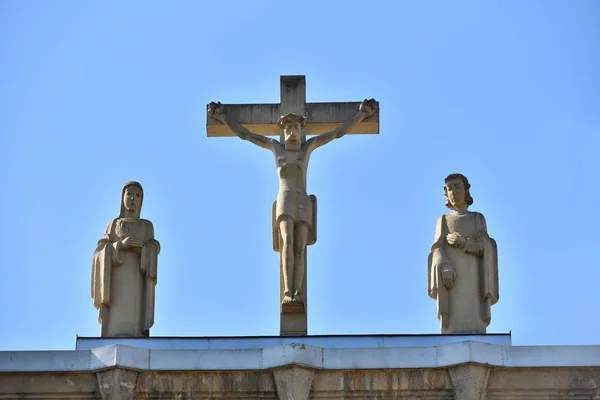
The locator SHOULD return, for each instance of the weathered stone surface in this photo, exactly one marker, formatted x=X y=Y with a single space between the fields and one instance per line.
x=124 y=270
x=426 y=384
x=116 y=383
x=442 y=372
x=293 y=383
x=463 y=264
x=294 y=212
x=38 y=385
x=547 y=383
x=238 y=385
x=470 y=381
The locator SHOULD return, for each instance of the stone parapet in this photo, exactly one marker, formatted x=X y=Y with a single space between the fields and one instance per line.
x=445 y=356
x=465 y=370
x=261 y=342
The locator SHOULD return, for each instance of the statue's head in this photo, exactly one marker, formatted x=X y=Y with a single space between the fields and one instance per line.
x=292 y=125
x=456 y=191
x=132 y=197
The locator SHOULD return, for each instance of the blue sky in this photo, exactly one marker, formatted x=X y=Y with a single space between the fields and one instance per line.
x=95 y=94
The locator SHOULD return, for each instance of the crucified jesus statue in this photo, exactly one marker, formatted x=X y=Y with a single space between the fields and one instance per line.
x=294 y=210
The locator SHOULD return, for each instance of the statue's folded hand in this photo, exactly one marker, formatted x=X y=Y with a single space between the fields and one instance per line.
x=132 y=242
x=456 y=240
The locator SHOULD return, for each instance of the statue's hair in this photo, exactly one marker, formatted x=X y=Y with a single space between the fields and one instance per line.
x=133 y=183
x=291 y=118
x=125 y=186
x=468 y=197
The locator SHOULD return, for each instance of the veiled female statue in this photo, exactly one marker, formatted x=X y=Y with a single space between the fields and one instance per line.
x=124 y=270
x=463 y=264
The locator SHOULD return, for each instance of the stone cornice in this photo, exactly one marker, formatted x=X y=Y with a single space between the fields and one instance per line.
x=444 y=356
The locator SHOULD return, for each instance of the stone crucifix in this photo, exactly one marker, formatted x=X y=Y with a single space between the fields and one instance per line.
x=294 y=211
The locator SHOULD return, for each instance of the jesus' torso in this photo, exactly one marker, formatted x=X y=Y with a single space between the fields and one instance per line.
x=291 y=169
x=292 y=199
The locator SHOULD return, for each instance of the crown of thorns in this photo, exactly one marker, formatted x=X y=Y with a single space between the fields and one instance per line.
x=291 y=118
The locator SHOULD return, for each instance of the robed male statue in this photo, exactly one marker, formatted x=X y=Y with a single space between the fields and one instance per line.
x=124 y=270
x=463 y=264
x=294 y=210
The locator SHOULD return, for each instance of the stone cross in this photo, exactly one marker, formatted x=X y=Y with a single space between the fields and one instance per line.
x=294 y=212
x=321 y=117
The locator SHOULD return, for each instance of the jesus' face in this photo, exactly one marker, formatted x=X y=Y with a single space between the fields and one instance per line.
x=455 y=190
x=292 y=134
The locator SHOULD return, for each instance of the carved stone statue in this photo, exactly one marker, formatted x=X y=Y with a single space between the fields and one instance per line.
x=294 y=210
x=124 y=270
x=463 y=264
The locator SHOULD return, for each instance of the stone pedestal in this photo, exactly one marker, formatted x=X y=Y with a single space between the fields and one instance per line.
x=293 y=317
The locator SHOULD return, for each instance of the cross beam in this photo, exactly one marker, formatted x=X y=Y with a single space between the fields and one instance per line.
x=320 y=117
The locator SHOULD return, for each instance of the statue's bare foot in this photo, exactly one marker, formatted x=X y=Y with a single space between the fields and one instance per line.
x=286 y=300
x=298 y=298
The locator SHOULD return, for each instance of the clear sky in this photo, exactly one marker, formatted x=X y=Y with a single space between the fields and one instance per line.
x=94 y=94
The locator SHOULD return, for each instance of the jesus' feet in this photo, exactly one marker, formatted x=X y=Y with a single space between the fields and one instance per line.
x=286 y=300
x=298 y=298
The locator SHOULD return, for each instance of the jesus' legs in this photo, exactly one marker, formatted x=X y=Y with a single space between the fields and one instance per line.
x=286 y=229
x=300 y=238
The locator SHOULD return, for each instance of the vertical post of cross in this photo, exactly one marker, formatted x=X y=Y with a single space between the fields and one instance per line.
x=293 y=100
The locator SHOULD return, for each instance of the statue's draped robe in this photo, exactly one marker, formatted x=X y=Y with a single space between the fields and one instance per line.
x=466 y=307
x=123 y=280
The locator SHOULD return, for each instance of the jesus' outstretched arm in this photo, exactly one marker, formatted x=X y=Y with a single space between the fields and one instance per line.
x=217 y=111
x=365 y=110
